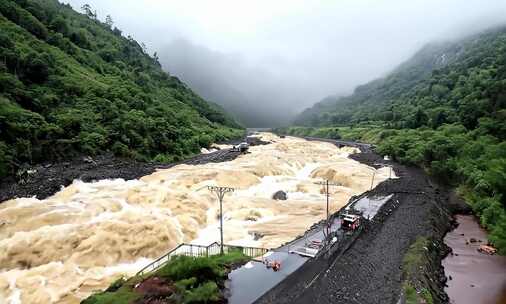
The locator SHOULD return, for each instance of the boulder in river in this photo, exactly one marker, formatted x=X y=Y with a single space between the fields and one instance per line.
x=280 y=196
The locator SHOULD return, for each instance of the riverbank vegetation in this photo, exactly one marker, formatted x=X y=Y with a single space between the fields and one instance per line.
x=414 y=269
x=444 y=110
x=184 y=279
x=71 y=84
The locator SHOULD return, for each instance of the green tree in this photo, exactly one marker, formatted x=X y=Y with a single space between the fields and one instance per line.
x=59 y=24
x=108 y=21
x=86 y=8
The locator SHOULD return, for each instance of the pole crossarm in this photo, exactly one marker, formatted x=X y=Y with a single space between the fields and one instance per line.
x=326 y=182
x=221 y=189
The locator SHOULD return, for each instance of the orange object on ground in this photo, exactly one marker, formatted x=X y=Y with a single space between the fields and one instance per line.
x=276 y=266
x=487 y=249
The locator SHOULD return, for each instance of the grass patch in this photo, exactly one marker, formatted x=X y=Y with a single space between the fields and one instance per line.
x=414 y=266
x=196 y=280
x=124 y=295
x=414 y=257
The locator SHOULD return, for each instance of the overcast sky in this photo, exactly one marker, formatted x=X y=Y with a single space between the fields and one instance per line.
x=283 y=56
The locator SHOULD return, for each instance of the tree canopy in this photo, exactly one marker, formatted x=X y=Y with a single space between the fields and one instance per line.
x=444 y=110
x=69 y=84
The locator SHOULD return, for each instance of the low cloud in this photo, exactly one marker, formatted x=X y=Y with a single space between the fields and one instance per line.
x=267 y=60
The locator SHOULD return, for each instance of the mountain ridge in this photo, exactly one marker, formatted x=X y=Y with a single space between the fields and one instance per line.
x=71 y=84
x=444 y=111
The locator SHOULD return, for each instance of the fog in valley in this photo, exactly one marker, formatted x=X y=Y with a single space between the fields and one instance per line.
x=265 y=61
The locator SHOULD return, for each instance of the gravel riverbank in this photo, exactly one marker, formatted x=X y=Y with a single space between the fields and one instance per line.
x=49 y=178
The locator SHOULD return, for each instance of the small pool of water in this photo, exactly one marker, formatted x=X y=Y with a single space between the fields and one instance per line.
x=475 y=277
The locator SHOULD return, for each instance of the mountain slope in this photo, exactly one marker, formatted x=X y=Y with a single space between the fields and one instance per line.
x=70 y=84
x=446 y=113
x=375 y=95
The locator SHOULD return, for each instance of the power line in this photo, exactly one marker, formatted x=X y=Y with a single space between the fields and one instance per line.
x=220 y=193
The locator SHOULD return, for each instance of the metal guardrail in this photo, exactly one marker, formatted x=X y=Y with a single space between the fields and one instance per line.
x=199 y=251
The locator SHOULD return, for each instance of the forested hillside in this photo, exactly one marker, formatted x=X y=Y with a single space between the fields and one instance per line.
x=446 y=112
x=71 y=84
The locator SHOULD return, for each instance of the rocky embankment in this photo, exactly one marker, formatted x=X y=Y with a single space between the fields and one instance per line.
x=374 y=269
x=46 y=179
x=43 y=180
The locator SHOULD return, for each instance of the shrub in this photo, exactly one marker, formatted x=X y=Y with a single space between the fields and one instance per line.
x=205 y=293
x=120 y=149
x=91 y=142
x=205 y=140
x=36 y=68
x=5 y=159
x=116 y=285
x=163 y=158
x=183 y=267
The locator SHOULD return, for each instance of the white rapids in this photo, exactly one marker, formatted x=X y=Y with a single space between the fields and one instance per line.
x=61 y=249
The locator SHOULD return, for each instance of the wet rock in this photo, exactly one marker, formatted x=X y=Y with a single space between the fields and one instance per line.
x=89 y=160
x=280 y=196
x=257 y=236
x=255 y=141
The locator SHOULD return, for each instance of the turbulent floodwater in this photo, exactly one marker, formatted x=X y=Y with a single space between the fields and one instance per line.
x=61 y=249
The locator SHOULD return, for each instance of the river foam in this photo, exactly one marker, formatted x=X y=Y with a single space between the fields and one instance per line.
x=61 y=249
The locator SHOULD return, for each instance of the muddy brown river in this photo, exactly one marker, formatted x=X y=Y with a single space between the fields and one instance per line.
x=61 y=249
x=476 y=278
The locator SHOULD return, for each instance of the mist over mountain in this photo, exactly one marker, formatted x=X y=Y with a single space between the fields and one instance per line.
x=443 y=110
x=222 y=77
x=266 y=61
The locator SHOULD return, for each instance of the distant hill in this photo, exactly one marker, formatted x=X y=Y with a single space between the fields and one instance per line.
x=443 y=110
x=71 y=84
x=376 y=95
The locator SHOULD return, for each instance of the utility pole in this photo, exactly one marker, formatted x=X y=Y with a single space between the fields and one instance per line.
x=390 y=172
x=373 y=175
x=220 y=193
x=326 y=184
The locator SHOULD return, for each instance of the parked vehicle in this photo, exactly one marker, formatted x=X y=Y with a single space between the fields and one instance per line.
x=350 y=222
x=242 y=147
